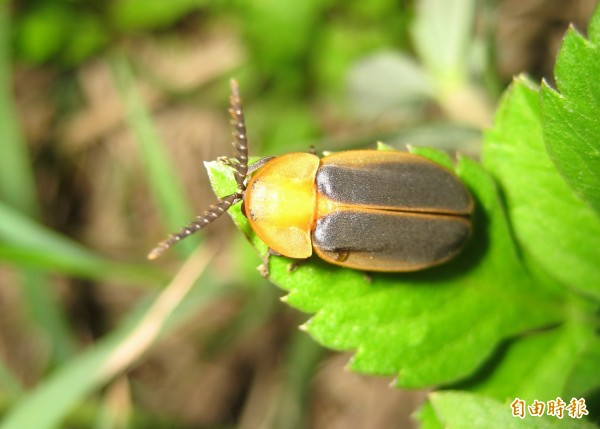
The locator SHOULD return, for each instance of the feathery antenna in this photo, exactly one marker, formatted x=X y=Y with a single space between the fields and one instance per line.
x=240 y=139
x=240 y=166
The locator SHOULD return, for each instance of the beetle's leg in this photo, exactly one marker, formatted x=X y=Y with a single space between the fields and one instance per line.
x=240 y=138
x=252 y=168
x=263 y=268
x=225 y=160
x=293 y=266
x=342 y=255
x=197 y=224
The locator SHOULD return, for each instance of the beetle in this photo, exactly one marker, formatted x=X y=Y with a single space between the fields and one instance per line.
x=368 y=210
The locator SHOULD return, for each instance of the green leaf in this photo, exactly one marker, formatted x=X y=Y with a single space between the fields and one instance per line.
x=438 y=156
x=553 y=226
x=465 y=410
x=426 y=416
x=585 y=376
x=538 y=366
x=572 y=114
x=428 y=327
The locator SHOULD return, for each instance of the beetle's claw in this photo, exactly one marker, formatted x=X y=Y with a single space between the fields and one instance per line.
x=263 y=269
x=156 y=252
x=225 y=160
x=293 y=266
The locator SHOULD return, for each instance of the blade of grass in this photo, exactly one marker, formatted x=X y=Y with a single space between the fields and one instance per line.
x=17 y=185
x=17 y=188
x=50 y=402
x=46 y=312
x=9 y=384
x=116 y=409
x=304 y=355
x=26 y=243
x=164 y=184
x=442 y=36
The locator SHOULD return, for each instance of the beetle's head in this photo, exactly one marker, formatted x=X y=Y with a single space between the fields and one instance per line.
x=241 y=173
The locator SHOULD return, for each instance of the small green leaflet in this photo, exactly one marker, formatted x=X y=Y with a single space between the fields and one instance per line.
x=556 y=229
x=571 y=115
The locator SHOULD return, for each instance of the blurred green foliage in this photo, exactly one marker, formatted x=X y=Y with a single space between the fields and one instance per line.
x=281 y=37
